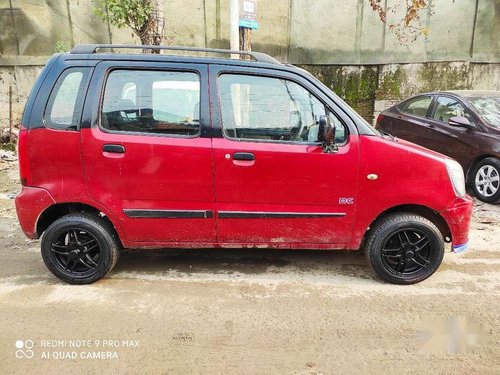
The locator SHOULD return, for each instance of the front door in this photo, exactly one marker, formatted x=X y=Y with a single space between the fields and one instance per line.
x=456 y=142
x=274 y=185
x=147 y=155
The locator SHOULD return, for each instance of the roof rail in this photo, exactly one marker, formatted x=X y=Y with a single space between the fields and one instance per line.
x=92 y=48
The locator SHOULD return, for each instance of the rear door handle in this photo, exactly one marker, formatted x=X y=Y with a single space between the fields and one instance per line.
x=117 y=149
x=243 y=156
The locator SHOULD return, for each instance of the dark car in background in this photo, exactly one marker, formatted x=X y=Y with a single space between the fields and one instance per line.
x=464 y=125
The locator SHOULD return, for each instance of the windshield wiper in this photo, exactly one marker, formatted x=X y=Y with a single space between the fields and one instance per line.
x=390 y=136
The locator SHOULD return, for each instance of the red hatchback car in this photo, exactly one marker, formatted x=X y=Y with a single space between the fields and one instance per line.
x=154 y=150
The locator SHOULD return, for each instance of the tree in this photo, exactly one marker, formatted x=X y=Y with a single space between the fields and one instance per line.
x=143 y=17
x=408 y=28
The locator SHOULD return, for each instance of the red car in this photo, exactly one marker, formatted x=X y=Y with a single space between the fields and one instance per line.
x=154 y=150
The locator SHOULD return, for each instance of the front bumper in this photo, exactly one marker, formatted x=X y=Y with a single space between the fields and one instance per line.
x=30 y=203
x=457 y=249
x=458 y=216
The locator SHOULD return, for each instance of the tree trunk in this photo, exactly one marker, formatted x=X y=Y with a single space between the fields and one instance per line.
x=152 y=32
x=245 y=42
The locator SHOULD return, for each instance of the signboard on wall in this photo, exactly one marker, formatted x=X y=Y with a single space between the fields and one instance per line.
x=248 y=14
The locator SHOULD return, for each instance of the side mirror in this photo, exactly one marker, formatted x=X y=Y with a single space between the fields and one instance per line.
x=460 y=121
x=326 y=133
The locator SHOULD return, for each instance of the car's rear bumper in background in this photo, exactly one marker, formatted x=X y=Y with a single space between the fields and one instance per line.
x=458 y=216
x=30 y=203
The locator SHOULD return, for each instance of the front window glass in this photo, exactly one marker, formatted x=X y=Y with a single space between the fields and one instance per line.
x=488 y=108
x=152 y=102
x=271 y=109
x=447 y=108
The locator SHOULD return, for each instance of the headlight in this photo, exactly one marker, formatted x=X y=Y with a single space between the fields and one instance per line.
x=456 y=174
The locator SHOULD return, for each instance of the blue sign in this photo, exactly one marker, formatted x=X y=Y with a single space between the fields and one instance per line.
x=249 y=24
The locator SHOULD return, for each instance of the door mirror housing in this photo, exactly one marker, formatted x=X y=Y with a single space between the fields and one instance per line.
x=460 y=121
x=326 y=133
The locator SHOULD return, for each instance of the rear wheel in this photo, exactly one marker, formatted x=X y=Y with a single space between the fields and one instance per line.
x=80 y=248
x=404 y=248
x=486 y=180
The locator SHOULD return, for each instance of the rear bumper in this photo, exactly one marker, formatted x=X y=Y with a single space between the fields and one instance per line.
x=30 y=203
x=458 y=216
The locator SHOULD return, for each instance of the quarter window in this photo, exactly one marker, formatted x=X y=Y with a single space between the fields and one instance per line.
x=418 y=106
x=152 y=102
x=448 y=107
x=64 y=107
x=270 y=109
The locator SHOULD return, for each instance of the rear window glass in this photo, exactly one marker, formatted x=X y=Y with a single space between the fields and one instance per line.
x=150 y=101
x=64 y=107
x=417 y=106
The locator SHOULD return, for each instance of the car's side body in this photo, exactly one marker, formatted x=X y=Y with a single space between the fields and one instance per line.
x=212 y=183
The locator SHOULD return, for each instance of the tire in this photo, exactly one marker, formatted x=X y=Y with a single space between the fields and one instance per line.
x=404 y=248
x=485 y=180
x=80 y=248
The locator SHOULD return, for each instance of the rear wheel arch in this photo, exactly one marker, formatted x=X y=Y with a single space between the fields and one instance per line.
x=58 y=210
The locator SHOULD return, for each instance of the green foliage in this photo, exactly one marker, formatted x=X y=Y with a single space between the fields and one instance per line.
x=356 y=86
x=61 y=46
x=449 y=76
x=134 y=14
x=391 y=83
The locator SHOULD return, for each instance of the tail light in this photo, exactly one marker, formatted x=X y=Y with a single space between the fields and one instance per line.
x=380 y=118
x=22 y=150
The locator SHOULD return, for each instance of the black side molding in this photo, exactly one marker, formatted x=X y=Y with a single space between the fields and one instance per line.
x=169 y=214
x=276 y=215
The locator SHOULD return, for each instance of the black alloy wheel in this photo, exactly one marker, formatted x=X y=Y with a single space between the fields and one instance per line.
x=404 y=248
x=407 y=252
x=80 y=248
x=76 y=251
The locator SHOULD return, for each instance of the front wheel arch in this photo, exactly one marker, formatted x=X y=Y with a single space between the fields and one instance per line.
x=424 y=211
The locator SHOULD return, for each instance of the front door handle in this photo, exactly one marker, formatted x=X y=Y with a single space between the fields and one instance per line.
x=243 y=156
x=117 y=149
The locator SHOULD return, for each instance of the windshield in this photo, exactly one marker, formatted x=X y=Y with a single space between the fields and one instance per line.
x=367 y=128
x=488 y=108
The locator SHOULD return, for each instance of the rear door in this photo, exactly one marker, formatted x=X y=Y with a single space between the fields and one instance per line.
x=274 y=184
x=411 y=120
x=147 y=152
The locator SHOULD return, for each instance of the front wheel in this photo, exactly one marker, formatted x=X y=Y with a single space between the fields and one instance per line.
x=404 y=248
x=80 y=248
x=486 y=180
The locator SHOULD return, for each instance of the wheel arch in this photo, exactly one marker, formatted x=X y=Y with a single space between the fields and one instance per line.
x=58 y=210
x=424 y=211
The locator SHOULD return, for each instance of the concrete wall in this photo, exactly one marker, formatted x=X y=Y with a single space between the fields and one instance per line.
x=368 y=89
x=298 y=31
x=21 y=78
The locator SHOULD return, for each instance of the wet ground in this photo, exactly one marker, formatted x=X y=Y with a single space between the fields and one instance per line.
x=248 y=311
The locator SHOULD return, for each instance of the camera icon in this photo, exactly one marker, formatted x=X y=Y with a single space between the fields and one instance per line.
x=24 y=349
